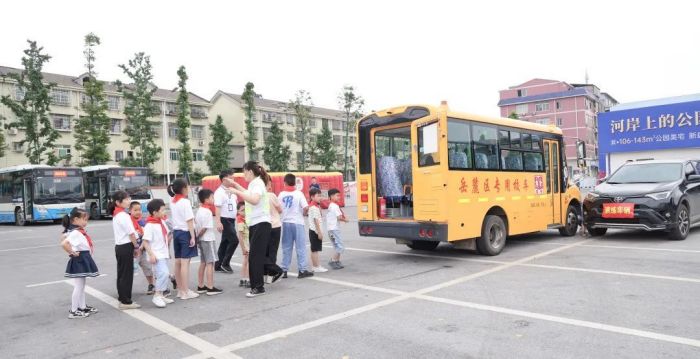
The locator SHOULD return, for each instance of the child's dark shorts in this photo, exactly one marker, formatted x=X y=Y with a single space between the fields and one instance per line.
x=316 y=243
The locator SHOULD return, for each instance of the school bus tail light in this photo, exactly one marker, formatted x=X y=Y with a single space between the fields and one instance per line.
x=429 y=233
x=364 y=198
x=421 y=233
x=363 y=185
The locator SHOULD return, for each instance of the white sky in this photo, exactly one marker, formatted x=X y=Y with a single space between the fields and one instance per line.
x=392 y=52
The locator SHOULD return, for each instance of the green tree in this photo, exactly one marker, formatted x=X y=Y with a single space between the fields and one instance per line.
x=301 y=107
x=351 y=104
x=513 y=115
x=32 y=110
x=275 y=153
x=138 y=110
x=251 y=134
x=325 y=153
x=3 y=145
x=92 y=130
x=219 y=152
x=183 y=124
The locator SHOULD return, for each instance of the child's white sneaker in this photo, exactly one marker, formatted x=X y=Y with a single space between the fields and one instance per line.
x=168 y=300
x=158 y=301
x=319 y=269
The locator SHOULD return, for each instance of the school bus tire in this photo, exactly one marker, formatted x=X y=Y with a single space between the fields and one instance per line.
x=571 y=226
x=493 y=236
x=423 y=245
x=20 y=220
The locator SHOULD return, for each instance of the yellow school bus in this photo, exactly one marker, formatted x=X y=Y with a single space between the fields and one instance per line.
x=427 y=174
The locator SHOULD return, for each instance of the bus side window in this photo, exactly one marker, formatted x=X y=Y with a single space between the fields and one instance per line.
x=428 y=145
x=485 y=147
x=459 y=149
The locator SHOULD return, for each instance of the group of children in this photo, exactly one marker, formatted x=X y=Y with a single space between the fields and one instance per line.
x=147 y=241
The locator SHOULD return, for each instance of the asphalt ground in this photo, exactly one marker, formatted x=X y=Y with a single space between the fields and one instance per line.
x=625 y=295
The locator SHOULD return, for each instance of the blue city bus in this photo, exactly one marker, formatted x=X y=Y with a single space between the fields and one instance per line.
x=32 y=193
x=103 y=180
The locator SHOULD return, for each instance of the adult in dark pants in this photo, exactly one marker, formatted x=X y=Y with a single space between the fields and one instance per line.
x=257 y=213
x=125 y=237
x=225 y=218
x=275 y=232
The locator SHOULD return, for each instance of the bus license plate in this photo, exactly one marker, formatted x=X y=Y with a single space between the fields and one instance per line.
x=618 y=210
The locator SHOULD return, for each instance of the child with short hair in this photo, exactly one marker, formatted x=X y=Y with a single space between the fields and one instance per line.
x=137 y=219
x=184 y=241
x=155 y=242
x=78 y=245
x=335 y=215
x=125 y=238
x=204 y=229
x=315 y=230
x=293 y=206
x=244 y=241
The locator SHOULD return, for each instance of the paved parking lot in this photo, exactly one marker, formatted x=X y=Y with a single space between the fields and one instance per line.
x=625 y=295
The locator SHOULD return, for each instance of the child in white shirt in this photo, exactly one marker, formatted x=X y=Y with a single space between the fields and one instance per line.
x=206 y=241
x=293 y=206
x=155 y=243
x=78 y=245
x=335 y=215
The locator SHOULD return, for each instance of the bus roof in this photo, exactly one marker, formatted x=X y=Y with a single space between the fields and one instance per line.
x=472 y=117
x=22 y=168
x=99 y=168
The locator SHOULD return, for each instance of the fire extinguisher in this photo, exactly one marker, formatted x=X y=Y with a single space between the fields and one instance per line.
x=382 y=207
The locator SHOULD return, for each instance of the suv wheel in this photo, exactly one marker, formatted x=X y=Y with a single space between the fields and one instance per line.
x=680 y=232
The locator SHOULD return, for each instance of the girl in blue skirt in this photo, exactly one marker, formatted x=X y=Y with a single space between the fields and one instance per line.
x=78 y=245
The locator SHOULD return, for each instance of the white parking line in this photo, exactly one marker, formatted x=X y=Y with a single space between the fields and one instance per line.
x=677 y=250
x=180 y=335
x=352 y=312
x=569 y=321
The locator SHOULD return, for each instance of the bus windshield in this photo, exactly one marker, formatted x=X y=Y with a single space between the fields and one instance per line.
x=135 y=186
x=53 y=190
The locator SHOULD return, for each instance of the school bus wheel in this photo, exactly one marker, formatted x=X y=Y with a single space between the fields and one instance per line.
x=423 y=245
x=571 y=226
x=493 y=236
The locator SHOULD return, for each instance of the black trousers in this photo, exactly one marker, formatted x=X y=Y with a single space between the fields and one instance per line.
x=229 y=242
x=272 y=247
x=257 y=258
x=125 y=271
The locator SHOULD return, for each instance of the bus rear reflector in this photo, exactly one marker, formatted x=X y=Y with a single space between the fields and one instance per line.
x=363 y=185
x=364 y=198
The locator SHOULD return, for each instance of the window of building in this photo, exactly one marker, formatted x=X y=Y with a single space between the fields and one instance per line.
x=198 y=112
x=291 y=119
x=324 y=122
x=63 y=151
x=542 y=106
x=156 y=107
x=174 y=154
x=559 y=122
x=522 y=92
x=337 y=140
x=116 y=126
x=198 y=155
x=60 y=97
x=156 y=130
x=485 y=147
x=290 y=136
x=118 y=155
x=521 y=109
x=267 y=116
x=428 y=144
x=337 y=125
x=312 y=123
x=61 y=122
x=557 y=105
x=113 y=103
x=171 y=108
x=173 y=130
x=543 y=121
x=19 y=93
x=197 y=132
x=130 y=155
x=17 y=146
x=459 y=147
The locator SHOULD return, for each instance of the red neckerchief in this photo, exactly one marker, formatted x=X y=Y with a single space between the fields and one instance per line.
x=137 y=226
x=177 y=198
x=240 y=218
x=158 y=221
x=89 y=240
x=209 y=207
x=290 y=188
x=117 y=210
x=313 y=204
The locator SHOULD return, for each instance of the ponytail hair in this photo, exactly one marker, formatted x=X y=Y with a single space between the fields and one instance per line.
x=118 y=196
x=177 y=187
x=257 y=170
x=67 y=220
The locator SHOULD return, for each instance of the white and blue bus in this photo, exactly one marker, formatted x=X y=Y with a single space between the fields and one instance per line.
x=31 y=193
x=103 y=180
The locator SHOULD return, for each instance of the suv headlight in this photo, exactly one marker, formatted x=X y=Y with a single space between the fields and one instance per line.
x=659 y=195
x=591 y=196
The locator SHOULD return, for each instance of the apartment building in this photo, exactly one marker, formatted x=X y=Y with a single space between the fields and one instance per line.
x=67 y=96
x=230 y=107
x=572 y=107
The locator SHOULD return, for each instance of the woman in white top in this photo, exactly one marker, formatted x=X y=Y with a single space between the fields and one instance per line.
x=257 y=216
x=184 y=247
x=125 y=237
